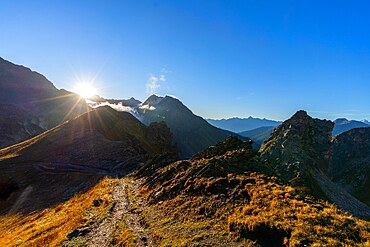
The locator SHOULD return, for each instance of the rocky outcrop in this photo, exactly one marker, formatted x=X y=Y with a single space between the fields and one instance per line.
x=298 y=145
x=301 y=152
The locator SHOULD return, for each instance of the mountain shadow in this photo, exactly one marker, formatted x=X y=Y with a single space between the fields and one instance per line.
x=72 y=157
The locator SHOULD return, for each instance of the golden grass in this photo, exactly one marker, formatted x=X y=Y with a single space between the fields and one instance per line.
x=274 y=213
x=122 y=236
x=50 y=227
x=303 y=220
x=14 y=150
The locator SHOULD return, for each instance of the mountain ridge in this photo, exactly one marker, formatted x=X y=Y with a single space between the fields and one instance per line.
x=238 y=125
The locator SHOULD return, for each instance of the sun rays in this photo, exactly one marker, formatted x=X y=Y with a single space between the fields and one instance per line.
x=85 y=90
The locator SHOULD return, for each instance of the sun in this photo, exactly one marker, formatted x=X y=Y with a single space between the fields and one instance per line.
x=85 y=90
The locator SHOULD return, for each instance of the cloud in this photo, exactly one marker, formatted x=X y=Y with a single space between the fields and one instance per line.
x=147 y=107
x=156 y=81
x=117 y=107
x=153 y=84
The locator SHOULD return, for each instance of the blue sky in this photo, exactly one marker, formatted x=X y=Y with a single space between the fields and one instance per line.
x=221 y=58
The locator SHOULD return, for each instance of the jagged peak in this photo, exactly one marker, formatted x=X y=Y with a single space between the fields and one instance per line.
x=301 y=114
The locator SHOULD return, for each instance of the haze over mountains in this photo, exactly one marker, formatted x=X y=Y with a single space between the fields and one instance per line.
x=242 y=124
x=172 y=178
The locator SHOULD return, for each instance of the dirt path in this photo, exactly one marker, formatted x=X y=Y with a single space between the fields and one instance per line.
x=123 y=196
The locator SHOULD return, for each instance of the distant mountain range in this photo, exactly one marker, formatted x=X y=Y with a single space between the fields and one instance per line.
x=342 y=125
x=242 y=124
x=265 y=127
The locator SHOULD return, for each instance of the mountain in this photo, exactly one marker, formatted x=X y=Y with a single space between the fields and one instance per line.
x=191 y=133
x=32 y=103
x=342 y=125
x=301 y=152
x=258 y=135
x=242 y=124
x=62 y=161
x=351 y=162
x=366 y=122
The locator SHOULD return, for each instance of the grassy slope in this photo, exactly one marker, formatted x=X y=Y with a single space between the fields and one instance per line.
x=51 y=226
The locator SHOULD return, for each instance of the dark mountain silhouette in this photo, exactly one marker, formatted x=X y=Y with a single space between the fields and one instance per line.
x=258 y=135
x=351 y=162
x=342 y=125
x=33 y=103
x=73 y=156
x=191 y=133
x=242 y=124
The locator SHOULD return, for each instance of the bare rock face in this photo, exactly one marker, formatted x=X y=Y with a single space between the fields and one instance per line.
x=298 y=145
x=351 y=162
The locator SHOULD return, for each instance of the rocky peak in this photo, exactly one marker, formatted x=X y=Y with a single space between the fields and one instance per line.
x=300 y=115
x=299 y=145
x=153 y=100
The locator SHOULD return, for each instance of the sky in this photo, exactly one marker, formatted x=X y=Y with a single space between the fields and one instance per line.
x=220 y=58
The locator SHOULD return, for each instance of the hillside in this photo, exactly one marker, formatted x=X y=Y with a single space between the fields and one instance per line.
x=32 y=103
x=53 y=166
x=191 y=133
x=242 y=124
